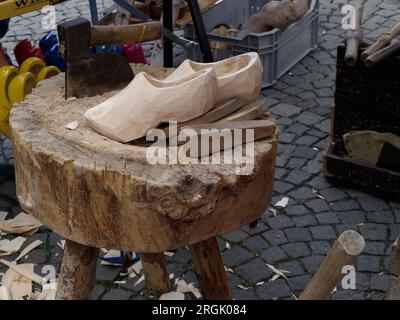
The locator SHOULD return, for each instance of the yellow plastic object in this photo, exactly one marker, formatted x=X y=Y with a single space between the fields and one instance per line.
x=21 y=86
x=5 y=129
x=47 y=73
x=7 y=75
x=33 y=65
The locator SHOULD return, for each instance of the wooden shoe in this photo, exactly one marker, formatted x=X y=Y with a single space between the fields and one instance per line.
x=237 y=76
x=147 y=102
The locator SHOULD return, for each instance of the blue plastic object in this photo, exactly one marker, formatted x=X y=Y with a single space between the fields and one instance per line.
x=53 y=57
x=112 y=49
x=48 y=41
x=4 y=27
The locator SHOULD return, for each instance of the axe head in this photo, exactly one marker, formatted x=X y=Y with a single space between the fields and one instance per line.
x=89 y=74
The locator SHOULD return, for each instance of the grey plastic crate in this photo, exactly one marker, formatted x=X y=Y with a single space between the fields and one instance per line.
x=279 y=51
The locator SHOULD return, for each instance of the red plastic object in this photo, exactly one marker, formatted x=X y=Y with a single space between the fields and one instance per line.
x=24 y=50
x=134 y=53
x=3 y=58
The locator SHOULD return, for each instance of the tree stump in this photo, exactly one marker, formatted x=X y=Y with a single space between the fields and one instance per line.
x=104 y=194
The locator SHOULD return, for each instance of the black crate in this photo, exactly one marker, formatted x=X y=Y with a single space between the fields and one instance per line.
x=365 y=99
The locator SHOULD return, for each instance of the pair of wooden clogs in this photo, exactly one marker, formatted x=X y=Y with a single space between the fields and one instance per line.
x=16 y=83
x=190 y=91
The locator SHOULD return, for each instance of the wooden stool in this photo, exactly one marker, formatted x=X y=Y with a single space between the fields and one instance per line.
x=98 y=193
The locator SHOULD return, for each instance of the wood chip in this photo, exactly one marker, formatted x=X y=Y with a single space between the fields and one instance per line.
x=227 y=245
x=171 y=276
x=72 y=125
x=194 y=290
x=8 y=247
x=120 y=282
x=229 y=269
x=23 y=223
x=3 y=215
x=23 y=271
x=28 y=249
x=169 y=254
x=4 y=293
x=174 y=295
x=141 y=279
x=61 y=244
x=243 y=287
x=278 y=272
x=273 y=211
x=260 y=283
x=182 y=286
x=111 y=254
x=19 y=286
x=49 y=291
x=282 y=203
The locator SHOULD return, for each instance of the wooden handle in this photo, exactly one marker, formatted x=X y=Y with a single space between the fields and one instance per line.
x=384 y=53
x=354 y=37
x=382 y=42
x=344 y=252
x=393 y=292
x=124 y=34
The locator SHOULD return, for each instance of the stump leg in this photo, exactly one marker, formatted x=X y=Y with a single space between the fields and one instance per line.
x=393 y=292
x=210 y=270
x=78 y=272
x=155 y=272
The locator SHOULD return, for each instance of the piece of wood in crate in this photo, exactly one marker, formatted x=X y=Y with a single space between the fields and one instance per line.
x=354 y=36
x=275 y=14
x=249 y=112
x=365 y=147
x=382 y=42
x=204 y=5
x=222 y=30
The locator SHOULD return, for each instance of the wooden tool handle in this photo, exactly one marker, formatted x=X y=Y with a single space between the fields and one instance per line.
x=384 y=53
x=354 y=37
x=344 y=252
x=382 y=42
x=142 y=32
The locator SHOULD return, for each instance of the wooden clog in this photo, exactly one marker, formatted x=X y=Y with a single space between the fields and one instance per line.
x=237 y=76
x=147 y=102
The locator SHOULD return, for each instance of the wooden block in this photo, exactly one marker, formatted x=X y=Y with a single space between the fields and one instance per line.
x=249 y=112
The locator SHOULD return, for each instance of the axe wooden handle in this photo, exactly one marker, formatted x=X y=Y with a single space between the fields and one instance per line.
x=384 y=53
x=142 y=32
x=382 y=42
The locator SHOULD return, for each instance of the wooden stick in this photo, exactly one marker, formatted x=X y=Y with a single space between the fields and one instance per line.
x=382 y=42
x=141 y=32
x=78 y=272
x=381 y=55
x=394 y=269
x=155 y=271
x=344 y=252
x=210 y=270
x=354 y=37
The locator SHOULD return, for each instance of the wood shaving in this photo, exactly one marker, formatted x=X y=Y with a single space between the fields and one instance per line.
x=174 y=295
x=282 y=203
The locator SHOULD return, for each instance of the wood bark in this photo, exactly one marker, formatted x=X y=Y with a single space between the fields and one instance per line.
x=210 y=270
x=155 y=271
x=344 y=252
x=393 y=292
x=105 y=194
x=275 y=14
x=78 y=272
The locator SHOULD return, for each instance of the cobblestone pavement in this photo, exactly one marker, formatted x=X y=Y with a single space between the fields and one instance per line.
x=299 y=236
